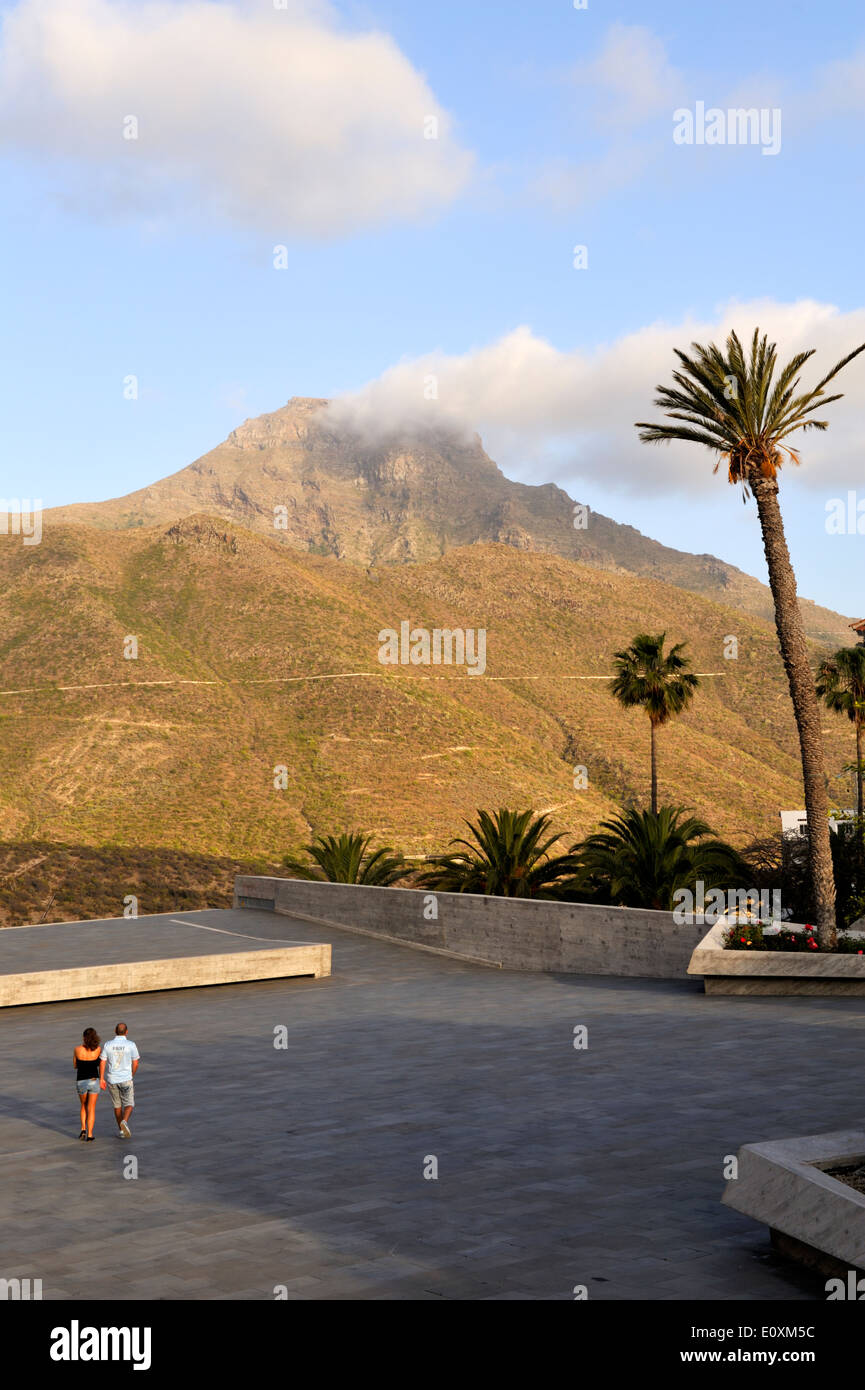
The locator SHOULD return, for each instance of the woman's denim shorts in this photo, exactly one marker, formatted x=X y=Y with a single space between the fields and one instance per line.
x=89 y=1087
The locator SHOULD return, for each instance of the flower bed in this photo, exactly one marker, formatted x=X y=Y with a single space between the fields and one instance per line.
x=773 y=966
x=759 y=936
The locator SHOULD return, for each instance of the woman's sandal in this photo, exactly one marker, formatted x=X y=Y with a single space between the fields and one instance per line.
x=83 y=1134
x=90 y=1139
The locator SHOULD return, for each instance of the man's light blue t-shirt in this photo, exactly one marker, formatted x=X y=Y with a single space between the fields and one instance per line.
x=119 y=1054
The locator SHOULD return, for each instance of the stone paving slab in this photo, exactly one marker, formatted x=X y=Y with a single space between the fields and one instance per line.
x=261 y=1166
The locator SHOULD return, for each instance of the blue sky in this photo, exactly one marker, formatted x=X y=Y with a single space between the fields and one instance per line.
x=556 y=130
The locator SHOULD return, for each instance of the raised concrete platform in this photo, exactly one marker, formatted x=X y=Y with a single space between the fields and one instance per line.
x=782 y=1183
x=84 y=960
x=774 y=972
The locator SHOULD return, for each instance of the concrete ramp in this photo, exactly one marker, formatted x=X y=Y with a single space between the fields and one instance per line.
x=85 y=960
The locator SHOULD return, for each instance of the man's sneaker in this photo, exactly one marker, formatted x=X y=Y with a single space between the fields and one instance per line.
x=125 y=1130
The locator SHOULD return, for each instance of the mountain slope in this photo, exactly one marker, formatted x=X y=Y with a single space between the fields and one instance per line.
x=295 y=477
x=253 y=656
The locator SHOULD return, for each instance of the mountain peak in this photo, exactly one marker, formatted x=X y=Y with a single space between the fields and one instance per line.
x=306 y=403
x=286 y=425
x=313 y=480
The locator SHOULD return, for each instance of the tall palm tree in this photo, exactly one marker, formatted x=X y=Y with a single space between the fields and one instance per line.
x=657 y=681
x=641 y=858
x=508 y=856
x=743 y=412
x=841 y=687
x=348 y=858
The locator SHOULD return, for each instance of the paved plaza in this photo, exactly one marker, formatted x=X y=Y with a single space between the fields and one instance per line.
x=303 y=1166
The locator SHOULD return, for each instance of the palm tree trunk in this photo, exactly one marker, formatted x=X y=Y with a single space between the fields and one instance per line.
x=859 y=771
x=794 y=650
x=654 y=771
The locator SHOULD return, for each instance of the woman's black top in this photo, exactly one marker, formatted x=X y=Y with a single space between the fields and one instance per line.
x=87 y=1070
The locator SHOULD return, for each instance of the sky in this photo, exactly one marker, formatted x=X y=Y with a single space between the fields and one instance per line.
x=490 y=211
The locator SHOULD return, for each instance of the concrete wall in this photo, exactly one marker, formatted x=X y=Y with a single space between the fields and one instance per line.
x=515 y=933
x=135 y=977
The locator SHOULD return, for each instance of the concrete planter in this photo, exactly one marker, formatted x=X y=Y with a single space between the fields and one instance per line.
x=774 y=972
x=813 y=1217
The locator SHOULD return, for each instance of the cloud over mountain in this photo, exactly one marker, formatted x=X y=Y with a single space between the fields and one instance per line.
x=572 y=411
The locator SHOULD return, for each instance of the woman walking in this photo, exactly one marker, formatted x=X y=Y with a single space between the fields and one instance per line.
x=85 y=1060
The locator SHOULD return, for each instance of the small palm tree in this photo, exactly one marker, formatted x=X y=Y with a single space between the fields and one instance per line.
x=737 y=407
x=657 y=681
x=641 y=858
x=348 y=858
x=841 y=687
x=508 y=856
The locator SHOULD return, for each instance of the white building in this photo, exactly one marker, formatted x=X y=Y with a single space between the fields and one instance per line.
x=796 y=822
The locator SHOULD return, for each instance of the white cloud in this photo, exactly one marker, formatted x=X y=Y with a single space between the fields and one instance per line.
x=632 y=76
x=629 y=85
x=544 y=412
x=563 y=185
x=276 y=118
x=839 y=88
x=625 y=98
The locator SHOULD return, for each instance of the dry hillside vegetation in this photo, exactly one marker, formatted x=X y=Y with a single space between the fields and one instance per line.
x=253 y=655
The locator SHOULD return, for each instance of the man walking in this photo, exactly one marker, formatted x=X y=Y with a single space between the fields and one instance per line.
x=120 y=1057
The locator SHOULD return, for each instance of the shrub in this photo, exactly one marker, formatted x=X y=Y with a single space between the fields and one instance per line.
x=508 y=856
x=641 y=859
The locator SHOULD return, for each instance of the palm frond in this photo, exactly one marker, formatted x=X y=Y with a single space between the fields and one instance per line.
x=733 y=403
